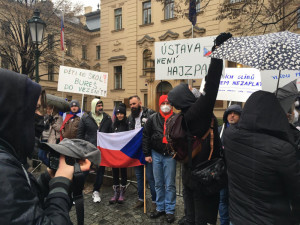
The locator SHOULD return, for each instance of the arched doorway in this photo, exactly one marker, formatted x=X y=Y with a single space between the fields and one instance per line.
x=163 y=88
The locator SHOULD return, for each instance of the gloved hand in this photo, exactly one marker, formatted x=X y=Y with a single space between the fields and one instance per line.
x=51 y=119
x=220 y=39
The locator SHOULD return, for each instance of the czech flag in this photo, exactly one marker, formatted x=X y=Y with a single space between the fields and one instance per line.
x=121 y=150
x=62 y=33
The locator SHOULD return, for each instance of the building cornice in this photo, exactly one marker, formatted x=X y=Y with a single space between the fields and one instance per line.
x=169 y=34
x=197 y=30
x=117 y=58
x=146 y=38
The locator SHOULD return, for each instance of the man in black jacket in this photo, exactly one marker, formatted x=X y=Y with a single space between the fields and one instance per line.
x=263 y=170
x=22 y=197
x=164 y=165
x=136 y=120
x=90 y=123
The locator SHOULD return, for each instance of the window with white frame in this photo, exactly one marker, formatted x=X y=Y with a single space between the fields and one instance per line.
x=169 y=9
x=147 y=12
x=98 y=51
x=50 y=72
x=118 y=77
x=118 y=19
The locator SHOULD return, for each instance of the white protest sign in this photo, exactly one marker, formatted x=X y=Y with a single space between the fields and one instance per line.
x=82 y=81
x=182 y=59
x=269 y=78
x=238 y=84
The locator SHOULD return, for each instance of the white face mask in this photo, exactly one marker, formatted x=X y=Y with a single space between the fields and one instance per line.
x=296 y=116
x=165 y=108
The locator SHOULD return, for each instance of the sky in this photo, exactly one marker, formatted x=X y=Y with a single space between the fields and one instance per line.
x=92 y=3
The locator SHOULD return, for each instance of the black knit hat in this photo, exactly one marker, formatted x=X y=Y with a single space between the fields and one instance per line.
x=121 y=109
x=74 y=103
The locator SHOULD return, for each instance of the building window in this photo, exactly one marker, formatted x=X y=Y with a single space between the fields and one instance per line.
x=98 y=50
x=69 y=98
x=197 y=6
x=68 y=48
x=50 y=72
x=116 y=104
x=146 y=100
x=118 y=19
x=50 y=41
x=169 y=9
x=118 y=77
x=298 y=20
x=147 y=12
x=148 y=63
x=84 y=52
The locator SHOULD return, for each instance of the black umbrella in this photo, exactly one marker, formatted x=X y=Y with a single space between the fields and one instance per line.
x=61 y=104
x=287 y=95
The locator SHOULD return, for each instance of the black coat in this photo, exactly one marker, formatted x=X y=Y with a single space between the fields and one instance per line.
x=153 y=135
x=263 y=171
x=120 y=126
x=88 y=128
x=145 y=115
x=21 y=196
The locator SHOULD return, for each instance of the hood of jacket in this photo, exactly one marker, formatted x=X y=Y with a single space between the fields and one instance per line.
x=181 y=97
x=262 y=113
x=18 y=100
x=232 y=108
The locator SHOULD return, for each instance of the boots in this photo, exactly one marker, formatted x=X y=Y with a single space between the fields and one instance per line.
x=115 y=198
x=122 y=192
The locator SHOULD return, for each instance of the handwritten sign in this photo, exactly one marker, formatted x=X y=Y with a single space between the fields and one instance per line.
x=182 y=59
x=238 y=84
x=82 y=81
x=269 y=78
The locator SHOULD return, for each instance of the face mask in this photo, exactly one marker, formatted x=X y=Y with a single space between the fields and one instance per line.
x=296 y=116
x=165 y=108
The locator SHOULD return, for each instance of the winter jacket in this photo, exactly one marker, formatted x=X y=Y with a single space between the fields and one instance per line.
x=88 y=128
x=153 y=135
x=120 y=126
x=145 y=115
x=263 y=171
x=54 y=133
x=70 y=128
x=22 y=197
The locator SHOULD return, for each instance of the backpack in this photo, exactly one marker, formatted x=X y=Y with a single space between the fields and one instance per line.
x=179 y=139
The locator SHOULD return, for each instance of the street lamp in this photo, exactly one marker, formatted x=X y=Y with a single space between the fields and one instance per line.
x=37 y=28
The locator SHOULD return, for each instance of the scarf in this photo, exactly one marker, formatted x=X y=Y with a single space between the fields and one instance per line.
x=165 y=116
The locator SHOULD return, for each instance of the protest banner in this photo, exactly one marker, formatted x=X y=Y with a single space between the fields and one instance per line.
x=182 y=59
x=269 y=78
x=238 y=84
x=82 y=81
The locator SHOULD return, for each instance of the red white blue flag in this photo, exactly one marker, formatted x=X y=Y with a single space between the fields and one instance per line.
x=121 y=150
x=62 y=33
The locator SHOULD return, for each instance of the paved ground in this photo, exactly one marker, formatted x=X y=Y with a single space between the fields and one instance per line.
x=105 y=213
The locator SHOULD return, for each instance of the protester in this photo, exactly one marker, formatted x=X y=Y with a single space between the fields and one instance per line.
x=55 y=121
x=22 y=201
x=120 y=125
x=263 y=171
x=71 y=122
x=90 y=123
x=198 y=114
x=136 y=120
x=231 y=117
x=164 y=165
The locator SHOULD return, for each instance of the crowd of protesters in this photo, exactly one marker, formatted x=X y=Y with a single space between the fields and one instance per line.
x=258 y=143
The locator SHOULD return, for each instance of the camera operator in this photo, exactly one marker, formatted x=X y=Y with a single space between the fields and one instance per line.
x=22 y=198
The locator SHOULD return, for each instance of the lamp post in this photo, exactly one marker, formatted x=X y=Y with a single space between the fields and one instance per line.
x=37 y=28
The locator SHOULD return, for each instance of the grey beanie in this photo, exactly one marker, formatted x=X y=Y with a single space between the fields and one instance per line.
x=74 y=103
x=75 y=148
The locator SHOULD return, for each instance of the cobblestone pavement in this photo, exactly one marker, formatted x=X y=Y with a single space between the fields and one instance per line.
x=105 y=213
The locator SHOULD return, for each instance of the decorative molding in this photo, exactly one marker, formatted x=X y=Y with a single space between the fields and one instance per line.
x=114 y=31
x=117 y=58
x=97 y=66
x=149 y=80
x=146 y=24
x=84 y=65
x=117 y=49
x=146 y=38
x=116 y=90
x=117 y=43
x=69 y=62
x=144 y=90
x=169 y=34
x=197 y=30
x=167 y=20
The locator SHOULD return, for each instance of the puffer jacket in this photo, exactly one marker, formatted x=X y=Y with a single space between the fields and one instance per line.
x=145 y=115
x=88 y=128
x=263 y=171
x=153 y=134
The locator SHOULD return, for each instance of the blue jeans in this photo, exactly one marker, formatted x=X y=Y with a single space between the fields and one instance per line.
x=164 y=171
x=139 y=172
x=223 y=207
